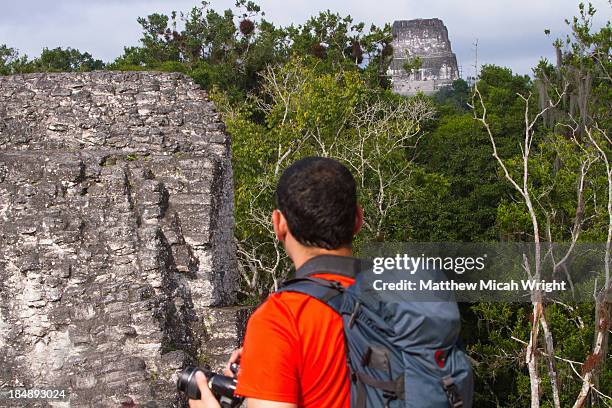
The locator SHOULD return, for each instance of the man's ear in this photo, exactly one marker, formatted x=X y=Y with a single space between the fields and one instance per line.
x=358 y=220
x=280 y=225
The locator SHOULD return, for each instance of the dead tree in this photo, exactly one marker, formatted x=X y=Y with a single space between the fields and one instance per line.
x=596 y=137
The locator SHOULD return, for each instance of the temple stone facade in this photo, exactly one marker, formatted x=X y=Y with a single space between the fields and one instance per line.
x=428 y=40
x=117 y=263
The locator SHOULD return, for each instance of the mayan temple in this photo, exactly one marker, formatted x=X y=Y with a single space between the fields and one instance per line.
x=428 y=40
x=117 y=262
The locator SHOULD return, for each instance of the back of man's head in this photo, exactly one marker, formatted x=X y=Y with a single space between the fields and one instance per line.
x=318 y=198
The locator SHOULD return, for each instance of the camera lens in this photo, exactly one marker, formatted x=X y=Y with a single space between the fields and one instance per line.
x=222 y=387
x=186 y=383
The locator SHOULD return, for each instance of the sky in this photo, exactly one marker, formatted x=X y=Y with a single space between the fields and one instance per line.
x=509 y=32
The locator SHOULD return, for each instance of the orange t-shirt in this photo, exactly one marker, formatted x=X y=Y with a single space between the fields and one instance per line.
x=294 y=352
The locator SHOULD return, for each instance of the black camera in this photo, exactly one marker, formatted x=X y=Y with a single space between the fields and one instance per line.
x=222 y=386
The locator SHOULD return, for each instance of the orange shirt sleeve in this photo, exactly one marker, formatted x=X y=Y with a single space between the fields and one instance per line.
x=271 y=355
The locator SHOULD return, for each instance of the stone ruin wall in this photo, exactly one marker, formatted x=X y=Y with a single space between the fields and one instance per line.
x=116 y=246
x=427 y=39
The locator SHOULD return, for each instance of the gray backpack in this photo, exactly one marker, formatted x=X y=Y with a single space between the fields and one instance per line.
x=399 y=354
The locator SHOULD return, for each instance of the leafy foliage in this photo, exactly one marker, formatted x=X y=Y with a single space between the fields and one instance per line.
x=229 y=50
x=50 y=60
x=330 y=113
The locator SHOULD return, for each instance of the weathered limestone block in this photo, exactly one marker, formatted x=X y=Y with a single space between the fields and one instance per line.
x=428 y=40
x=116 y=225
x=223 y=333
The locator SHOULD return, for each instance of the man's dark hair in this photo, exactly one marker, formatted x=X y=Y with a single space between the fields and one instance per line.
x=318 y=198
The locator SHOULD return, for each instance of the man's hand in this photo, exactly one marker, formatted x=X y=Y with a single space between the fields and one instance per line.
x=234 y=358
x=207 y=400
x=252 y=402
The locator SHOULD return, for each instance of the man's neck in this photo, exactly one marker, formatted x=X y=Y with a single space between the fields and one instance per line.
x=302 y=256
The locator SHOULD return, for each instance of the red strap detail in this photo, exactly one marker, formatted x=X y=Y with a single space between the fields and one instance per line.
x=440 y=358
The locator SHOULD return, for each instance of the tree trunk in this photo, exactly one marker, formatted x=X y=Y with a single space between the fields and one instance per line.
x=531 y=355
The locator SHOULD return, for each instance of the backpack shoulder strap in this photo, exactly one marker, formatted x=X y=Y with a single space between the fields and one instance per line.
x=335 y=264
x=327 y=291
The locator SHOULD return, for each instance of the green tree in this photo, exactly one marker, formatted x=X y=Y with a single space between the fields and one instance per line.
x=230 y=50
x=10 y=60
x=334 y=114
x=339 y=43
x=225 y=49
x=455 y=97
x=559 y=178
x=64 y=60
x=50 y=60
x=7 y=57
x=459 y=150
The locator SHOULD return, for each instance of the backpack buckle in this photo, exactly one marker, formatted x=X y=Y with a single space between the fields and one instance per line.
x=336 y=285
x=365 y=358
x=389 y=396
x=452 y=393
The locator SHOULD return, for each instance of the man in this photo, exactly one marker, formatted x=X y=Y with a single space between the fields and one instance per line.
x=293 y=353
